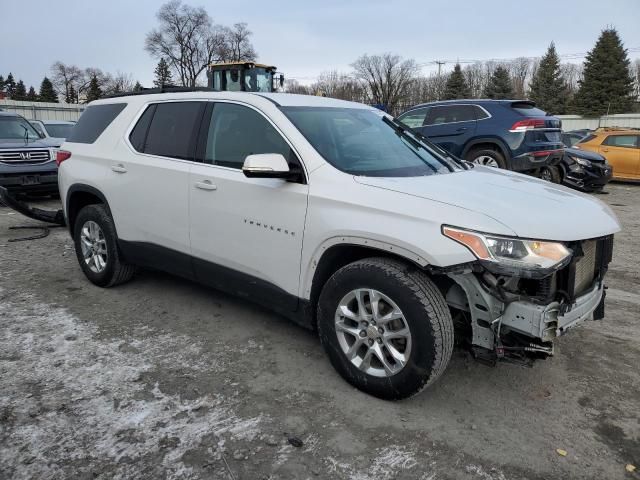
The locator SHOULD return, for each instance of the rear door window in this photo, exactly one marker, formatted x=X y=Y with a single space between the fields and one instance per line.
x=414 y=118
x=450 y=114
x=624 y=141
x=93 y=121
x=237 y=131
x=173 y=129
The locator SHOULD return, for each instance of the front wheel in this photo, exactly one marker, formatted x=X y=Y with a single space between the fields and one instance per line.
x=385 y=327
x=550 y=174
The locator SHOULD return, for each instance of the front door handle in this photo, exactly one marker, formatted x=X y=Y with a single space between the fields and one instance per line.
x=206 y=185
x=605 y=149
x=461 y=129
x=119 y=168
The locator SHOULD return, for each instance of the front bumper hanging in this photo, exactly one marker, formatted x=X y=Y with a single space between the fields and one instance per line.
x=49 y=216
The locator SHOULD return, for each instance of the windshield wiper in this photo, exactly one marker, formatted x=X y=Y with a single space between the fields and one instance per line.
x=408 y=133
x=463 y=163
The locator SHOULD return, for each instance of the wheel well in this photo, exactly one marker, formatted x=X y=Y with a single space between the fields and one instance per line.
x=336 y=257
x=77 y=201
x=487 y=145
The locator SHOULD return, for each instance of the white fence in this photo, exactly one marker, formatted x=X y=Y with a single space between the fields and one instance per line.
x=43 y=110
x=576 y=122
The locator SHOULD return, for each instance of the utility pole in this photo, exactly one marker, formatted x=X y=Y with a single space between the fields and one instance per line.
x=440 y=63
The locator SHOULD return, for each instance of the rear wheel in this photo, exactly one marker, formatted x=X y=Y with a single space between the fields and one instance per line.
x=385 y=327
x=97 y=248
x=486 y=157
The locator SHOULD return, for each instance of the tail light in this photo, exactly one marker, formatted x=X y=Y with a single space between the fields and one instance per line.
x=527 y=124
x=61 y=156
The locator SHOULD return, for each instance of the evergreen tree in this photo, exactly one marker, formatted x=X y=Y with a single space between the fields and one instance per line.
x=32 y=96
x=548 y=88
x=1 y=83
x=456 y=86
x=163 y=74
x=20 y=92
x=71 y=97
x=607 y=85
x=94 y=92
x=10 y=85
x=47 y=93
x=137 y=87
x=499 y=86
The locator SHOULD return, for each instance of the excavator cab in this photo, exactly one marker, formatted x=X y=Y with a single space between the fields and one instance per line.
x=243 y=77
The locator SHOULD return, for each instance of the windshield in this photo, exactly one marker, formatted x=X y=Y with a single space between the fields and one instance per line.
x=360 y=142
x=17 y=128
x=59 y=130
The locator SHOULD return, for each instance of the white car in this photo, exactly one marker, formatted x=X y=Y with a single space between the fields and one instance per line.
x=335 y=215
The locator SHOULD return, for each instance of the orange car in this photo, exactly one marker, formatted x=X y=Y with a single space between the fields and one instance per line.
x=621 y=148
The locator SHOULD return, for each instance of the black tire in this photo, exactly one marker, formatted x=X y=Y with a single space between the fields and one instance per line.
x=116 y=270
x=473 y=154
x=425 y=311
x=551 y=174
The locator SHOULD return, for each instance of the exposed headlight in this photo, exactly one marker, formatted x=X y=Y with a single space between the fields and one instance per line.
x=581 y=161
x=515 y=256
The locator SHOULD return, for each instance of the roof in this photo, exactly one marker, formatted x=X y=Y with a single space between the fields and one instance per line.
x=479 y=101
x=8 y=114
x=279 y=99
x=246 y=64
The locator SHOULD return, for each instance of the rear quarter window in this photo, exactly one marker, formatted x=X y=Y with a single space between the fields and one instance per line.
x=93 y=121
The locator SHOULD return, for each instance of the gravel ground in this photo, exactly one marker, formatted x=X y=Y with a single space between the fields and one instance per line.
x=163 y=378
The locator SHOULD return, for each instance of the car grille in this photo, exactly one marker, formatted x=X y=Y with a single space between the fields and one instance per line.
x=24 y=156
x=585 y=268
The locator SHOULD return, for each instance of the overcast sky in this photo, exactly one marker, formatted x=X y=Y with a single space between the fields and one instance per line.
x=304 y=38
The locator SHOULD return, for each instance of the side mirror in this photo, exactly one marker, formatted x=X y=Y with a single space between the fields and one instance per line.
x=266 y=165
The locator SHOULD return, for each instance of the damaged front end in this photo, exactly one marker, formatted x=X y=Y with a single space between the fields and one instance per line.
x=517 y=314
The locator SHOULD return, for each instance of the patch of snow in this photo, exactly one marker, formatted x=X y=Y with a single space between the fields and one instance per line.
x=89 y=404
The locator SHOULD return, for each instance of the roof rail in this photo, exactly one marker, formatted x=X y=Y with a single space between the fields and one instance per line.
x=149 y=91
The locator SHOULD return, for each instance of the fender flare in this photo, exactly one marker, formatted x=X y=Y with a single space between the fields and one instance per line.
x=348 y=240
x=495 y=140
x=84 y=188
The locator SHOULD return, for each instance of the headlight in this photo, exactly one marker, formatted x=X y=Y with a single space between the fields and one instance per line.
x=581 y=161
x=514 y=256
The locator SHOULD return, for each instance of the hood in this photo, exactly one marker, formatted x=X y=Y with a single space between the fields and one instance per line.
x=586 y=154
x=530 y=207
x=14 y=144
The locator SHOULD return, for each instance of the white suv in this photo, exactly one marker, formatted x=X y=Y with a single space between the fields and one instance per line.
x=335 y=215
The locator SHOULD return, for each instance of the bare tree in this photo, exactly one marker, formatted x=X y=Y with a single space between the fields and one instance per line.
x=238 y=47
x=339 y=85
x=186 y=39
x=387 y=78
x=118 y=83
x=519 y=69
x=65 y=79
x=293 y=86
x=635 y=71
x=572 y=73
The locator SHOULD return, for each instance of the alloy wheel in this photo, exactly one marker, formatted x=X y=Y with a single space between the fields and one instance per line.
x=373 y=332
x=94 y=246
x=486 y=160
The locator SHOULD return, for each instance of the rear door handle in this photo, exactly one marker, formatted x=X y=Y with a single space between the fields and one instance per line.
x=205 y=185
x=461 y=129
x=118 y=168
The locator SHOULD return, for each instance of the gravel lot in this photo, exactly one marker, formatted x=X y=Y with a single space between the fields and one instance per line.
x=163 y=378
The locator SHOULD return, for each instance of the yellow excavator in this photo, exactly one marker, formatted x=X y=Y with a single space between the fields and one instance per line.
x=244 y=77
